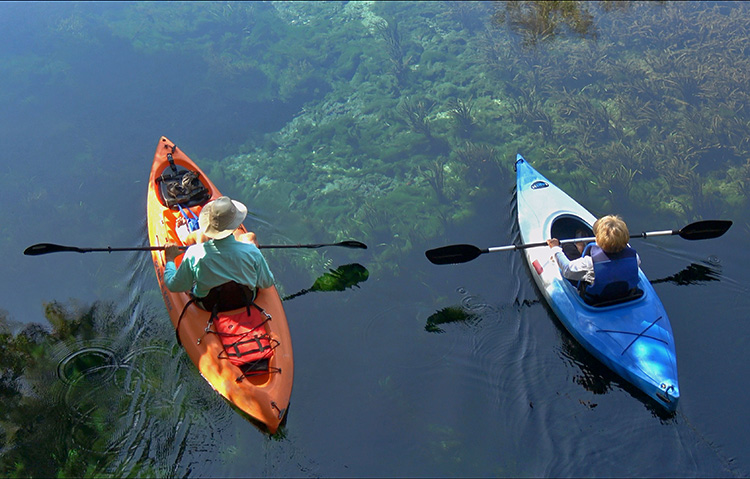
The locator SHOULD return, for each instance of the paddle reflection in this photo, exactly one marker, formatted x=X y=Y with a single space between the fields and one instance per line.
x=694 y=274
x=339 y=279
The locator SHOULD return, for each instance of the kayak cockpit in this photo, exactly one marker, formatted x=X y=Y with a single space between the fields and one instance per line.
x=573 y=290
x=570 y=227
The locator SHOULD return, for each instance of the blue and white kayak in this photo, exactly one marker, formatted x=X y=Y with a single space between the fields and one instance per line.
x=632 y=338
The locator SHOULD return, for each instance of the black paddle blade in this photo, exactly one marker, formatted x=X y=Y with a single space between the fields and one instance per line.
x=705 y=229
x=457 y=253
x=44 y=248
x=352 y=244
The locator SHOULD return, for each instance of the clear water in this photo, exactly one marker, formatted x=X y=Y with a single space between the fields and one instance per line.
x=87 y=89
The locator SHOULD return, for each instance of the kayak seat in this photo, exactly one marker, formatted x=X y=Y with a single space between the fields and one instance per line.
x=244 y=337
x=179 y=187
x=226 y=297
x=615 y=293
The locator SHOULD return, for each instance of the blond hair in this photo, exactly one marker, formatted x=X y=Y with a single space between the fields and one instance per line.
x=611 y=233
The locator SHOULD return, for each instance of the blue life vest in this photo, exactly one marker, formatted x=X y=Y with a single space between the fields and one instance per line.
x=615 y=274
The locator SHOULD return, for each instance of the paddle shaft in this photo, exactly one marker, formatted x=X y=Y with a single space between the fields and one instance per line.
x=158 y=248
x=462 y=253
x=46 y=248
x=645 y=234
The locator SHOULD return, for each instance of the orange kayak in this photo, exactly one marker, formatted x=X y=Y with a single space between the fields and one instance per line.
x=263 y=396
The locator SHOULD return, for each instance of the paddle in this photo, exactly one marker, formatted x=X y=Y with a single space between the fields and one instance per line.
x=463 y=253
x=46 y=248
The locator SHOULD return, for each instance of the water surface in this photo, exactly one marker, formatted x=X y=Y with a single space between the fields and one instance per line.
x=333 y=125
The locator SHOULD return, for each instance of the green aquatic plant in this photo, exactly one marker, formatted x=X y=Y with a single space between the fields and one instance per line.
x=434 y=173
x=526 y=107
x=688 y=187
x=30 y=412
x=605 y=117
x=471 y=15
x=70 y=398
x=480 y=160
x=499 y=55
x=414 y=113
x=460 y=111
x=399 y=63
x=590 y=120
x=539 y=21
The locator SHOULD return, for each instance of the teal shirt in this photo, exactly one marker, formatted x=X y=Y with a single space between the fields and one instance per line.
x=215 y=262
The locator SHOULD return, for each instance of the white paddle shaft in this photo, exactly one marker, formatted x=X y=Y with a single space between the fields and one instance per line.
x=577 y=240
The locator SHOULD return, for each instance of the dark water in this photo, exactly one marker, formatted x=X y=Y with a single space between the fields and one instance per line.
x=384 y=384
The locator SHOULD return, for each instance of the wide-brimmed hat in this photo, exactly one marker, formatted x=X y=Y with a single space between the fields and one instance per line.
x=219 y=218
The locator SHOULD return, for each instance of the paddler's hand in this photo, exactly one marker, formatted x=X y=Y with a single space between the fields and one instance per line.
x=247 y=238
x=196 y=237
x=171 y=251
x=553 y=242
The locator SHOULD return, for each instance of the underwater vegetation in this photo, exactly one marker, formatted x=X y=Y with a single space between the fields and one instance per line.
x=392 y=121
x=592 y=92
x=543 y=21
x=40 y=438
x=75 y=392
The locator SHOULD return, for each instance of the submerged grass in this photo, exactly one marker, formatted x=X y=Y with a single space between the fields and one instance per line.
x=405 y=115
x=596 y=98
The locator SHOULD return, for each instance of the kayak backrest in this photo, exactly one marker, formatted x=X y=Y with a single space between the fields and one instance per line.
x=631 y=295
x=226 y=297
